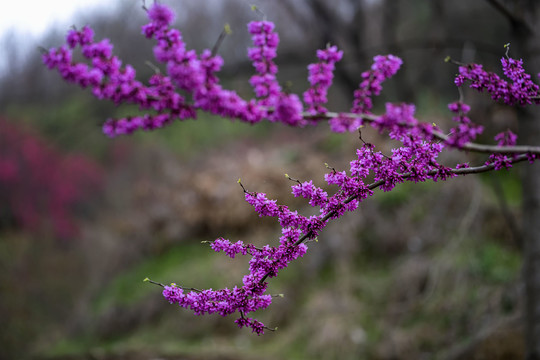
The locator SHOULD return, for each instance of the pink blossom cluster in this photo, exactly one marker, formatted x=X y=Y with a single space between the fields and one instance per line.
x=280 y=106
x=466 y=131
x=224 y=302
x=265 y=262
x=500 y=161
x=193 y=76
x=383 y=68
x=265 y=42
x=320 y=77
x=39 y=185
x=188 y=75
x=521 y=91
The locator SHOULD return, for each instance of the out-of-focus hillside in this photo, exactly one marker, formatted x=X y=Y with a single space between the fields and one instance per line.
x=425 y=271
x=442 y=273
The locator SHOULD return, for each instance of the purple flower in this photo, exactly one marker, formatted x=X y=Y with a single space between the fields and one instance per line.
x=383 y=68
x=344 y=123
x=320 y=77
x=265 y=41
x=519 y=92
x=288 y=110
x=459 y=107
x=231 y=249
x=315 y=195
x=466 y=131
x=160 y=15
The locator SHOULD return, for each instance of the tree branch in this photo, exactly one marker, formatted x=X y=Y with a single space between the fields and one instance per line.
x=515 y=20
x=473 y=147
x=461 y=171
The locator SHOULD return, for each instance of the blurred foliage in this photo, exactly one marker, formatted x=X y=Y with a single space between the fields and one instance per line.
x=193 y=136
x=40 y=280
x=189 y=260
x=40 y=187
x=495 y=263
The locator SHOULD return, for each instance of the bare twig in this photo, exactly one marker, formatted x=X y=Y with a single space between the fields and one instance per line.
x=512 y=17
x=226 y=31
x=178 y=286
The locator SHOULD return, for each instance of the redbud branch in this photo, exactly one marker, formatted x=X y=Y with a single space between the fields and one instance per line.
x=512 y=17
x=292 y=179
x=226 y=31
x=153 y=282
x=178 y=286
x=474 y=147
x=460 y=171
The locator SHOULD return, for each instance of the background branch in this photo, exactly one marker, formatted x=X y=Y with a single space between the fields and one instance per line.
x=515 y=21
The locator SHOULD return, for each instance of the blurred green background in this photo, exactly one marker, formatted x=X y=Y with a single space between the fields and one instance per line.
x=426 y=271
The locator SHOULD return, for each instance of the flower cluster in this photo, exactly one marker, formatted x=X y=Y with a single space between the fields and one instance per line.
x=282 y=107
x=466 y=131
x=265 y=262
x=383 y=68
x=228 y=248
x=110 y=80
x=500 y=161
x=320 y=77
x=521 y=91
x=266 y=41
x=224 y=302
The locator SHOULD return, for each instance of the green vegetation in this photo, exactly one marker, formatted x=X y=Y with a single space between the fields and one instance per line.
x=188 y=261
x=495 y=263
x=192 y=136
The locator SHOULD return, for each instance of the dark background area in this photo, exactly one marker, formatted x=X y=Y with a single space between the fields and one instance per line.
x=427 y=271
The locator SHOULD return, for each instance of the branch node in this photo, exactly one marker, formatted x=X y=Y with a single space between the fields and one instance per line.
x=153 y=282
x=292 y=179
x=507 y=47
x=226 y=31
x=152 y=66
x=240 y=183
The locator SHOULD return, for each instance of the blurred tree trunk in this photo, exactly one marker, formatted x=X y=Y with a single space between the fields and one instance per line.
x=526 y=35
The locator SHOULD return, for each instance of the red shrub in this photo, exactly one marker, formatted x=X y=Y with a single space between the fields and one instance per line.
x=40 y=186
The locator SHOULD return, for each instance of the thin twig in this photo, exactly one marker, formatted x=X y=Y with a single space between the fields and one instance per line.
x=512 y=17
x=178 y=286
x=226 y=31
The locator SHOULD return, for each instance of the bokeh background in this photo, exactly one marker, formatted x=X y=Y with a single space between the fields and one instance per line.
x=427 y=271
